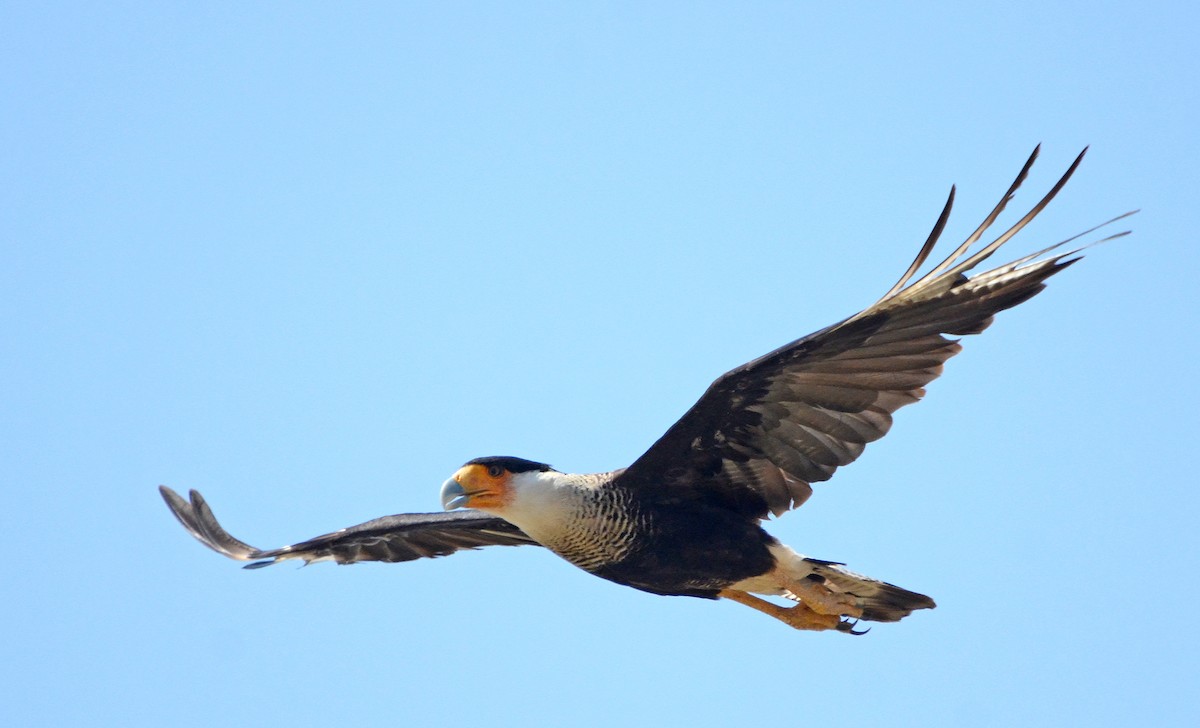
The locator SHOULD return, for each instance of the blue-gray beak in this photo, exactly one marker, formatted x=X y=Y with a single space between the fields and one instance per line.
x=453 y=495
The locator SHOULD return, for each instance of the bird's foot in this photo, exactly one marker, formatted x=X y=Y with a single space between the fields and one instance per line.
x=848 y=625
x=797 y=616
x=821 y=599
x=801 y=616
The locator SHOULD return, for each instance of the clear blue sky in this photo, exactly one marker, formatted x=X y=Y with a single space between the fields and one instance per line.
x=310 y=258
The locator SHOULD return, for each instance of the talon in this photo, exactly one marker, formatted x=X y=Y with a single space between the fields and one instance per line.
x=848 y=626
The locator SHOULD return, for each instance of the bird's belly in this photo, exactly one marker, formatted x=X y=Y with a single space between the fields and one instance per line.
x=692 y=560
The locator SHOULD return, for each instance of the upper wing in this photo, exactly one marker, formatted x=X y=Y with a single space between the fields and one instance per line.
x=766 y=430
x=391 y=538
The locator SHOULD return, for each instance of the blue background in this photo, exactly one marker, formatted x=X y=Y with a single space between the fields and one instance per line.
x=310 y=258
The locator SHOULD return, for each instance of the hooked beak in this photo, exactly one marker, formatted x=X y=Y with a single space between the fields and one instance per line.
x=453 y=495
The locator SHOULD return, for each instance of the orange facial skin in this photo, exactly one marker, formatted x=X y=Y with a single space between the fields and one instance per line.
x=486 y=488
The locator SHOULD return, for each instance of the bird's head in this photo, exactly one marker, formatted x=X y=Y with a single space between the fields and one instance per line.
x=490 y=484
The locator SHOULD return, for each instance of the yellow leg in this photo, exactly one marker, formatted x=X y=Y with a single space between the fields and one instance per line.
x=799 y=616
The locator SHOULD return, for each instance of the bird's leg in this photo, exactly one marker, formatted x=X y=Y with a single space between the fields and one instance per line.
x=798 y=616
x=823 y=600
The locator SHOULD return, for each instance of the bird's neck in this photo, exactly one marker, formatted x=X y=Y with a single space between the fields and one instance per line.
x=552 y=507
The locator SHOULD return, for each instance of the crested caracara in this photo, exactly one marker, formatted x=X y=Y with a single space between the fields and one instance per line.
x=686 y=517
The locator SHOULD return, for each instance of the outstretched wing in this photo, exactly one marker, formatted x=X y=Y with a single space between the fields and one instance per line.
x=765 y=431
x=403 y=537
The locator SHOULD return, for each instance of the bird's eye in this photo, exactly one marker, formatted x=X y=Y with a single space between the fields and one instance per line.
x=495 y=471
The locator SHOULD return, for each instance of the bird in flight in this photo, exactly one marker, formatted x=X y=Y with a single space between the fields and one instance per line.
x=685 y=518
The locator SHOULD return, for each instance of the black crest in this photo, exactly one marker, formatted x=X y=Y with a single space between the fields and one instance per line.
x=511 y=464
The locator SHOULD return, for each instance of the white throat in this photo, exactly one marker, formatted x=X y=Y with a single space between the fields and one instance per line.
x=544 y=503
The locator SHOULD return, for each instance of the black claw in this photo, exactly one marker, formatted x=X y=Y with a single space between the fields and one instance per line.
x=848 y=626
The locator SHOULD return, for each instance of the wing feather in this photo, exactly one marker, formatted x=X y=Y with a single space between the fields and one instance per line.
x=811 y=406
x=396 y=538
x=860 y=427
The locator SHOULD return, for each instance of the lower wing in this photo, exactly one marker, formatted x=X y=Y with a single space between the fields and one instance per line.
x=403 y=537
